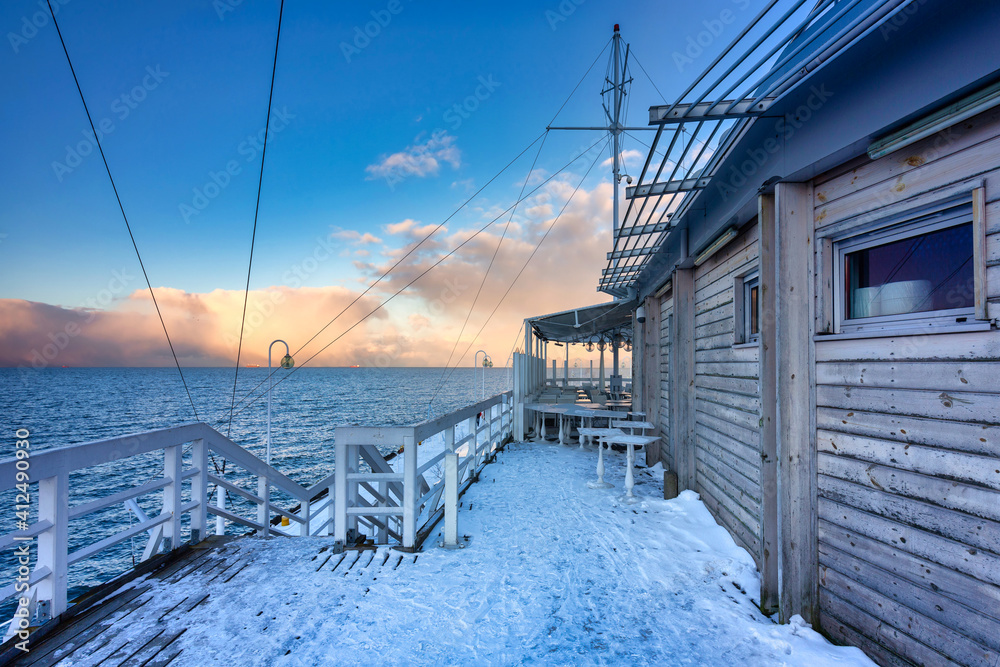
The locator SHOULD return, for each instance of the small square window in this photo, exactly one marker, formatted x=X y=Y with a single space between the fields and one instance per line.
x=746 y=309
x=918 y=273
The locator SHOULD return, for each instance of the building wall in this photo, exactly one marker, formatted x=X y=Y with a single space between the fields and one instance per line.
x=727 y=401
x=908 y=435
x=663 y=419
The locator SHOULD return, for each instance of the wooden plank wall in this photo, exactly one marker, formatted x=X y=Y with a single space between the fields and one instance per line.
x=663 y=419
x=908 y=436
x=727 y=398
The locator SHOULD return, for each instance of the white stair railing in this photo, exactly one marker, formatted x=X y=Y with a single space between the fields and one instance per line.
x=186 y=451
x=365 y=491
x=404 y=499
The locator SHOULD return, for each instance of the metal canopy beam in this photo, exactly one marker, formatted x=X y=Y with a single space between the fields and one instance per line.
x=618 y=271
x=667 y=187
x=686 y=113
x=639 y=230
x=634 y=252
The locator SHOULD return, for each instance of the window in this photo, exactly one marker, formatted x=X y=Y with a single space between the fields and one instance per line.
x=918 y=273
x=751 y=308
x=746 y=309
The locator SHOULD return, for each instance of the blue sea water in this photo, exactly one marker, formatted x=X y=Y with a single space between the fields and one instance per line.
x=65 y=406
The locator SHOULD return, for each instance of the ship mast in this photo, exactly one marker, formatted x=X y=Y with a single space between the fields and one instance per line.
x=613 y=112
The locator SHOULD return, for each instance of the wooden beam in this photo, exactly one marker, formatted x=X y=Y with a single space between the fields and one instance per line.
x=769 y=407
x=979 y=251
x=681 y=379
x=649 y=354
x=793 y=287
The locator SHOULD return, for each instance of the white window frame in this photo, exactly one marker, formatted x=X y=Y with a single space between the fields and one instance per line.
x=895 y=230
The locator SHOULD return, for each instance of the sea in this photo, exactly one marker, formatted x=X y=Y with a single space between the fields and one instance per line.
x=66 y=406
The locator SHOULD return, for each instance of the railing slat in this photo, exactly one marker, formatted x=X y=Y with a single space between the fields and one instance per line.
x=83 y=509
x=111 y=540
x=11 y=539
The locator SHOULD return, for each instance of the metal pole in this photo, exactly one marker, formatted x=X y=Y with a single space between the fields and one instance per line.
x=270 y=384
x=615 y=124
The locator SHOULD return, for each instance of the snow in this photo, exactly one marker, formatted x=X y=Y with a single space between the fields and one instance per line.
x=553 y=573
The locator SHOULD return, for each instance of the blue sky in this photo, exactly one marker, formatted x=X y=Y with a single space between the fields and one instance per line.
x=182 y=87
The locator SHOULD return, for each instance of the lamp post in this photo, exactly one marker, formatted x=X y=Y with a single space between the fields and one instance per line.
x=487 y=361
x=286 y=362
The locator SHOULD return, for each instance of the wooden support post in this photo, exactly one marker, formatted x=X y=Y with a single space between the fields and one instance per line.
x=199 y=491
x=173 y=467
x=648 y=351
x=519 y=430
x=794 y=351
x=682 y=403
x=264 y=508
x=451 y=499
x=410 y=491
x=53 y=543
x=770 y=548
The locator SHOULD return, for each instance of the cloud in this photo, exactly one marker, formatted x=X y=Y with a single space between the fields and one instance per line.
x=420 y=159
x=354 y=236
x=627 y=157
x=418 y=328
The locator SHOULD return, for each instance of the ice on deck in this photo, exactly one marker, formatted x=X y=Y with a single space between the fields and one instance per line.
x=554 y=573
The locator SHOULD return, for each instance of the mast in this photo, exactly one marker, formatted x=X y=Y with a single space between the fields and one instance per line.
x=615 y=85
x=615 y=124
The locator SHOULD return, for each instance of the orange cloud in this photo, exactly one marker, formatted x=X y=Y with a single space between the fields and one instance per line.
x=418 y=328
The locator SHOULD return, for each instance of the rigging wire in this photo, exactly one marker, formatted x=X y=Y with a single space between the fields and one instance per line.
x=433 y=266
x=409 y=252
x=256 y=211
x=573 y=92
x=121 y=207
x=488 y=268
x=523 y=267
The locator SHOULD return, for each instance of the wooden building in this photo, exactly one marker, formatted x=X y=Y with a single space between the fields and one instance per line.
x=815 y=269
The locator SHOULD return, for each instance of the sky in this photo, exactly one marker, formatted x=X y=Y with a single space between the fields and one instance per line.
x=386 y=118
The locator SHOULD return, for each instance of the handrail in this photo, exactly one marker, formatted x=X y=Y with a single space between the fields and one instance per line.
x=421 y=504
x=391 y=499
x=185 y=451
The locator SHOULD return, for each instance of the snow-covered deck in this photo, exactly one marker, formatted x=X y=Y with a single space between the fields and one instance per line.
x=554 y=573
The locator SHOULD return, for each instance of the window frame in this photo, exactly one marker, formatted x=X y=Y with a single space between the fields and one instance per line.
x=900 y=228
x=750 y=281
x=741 y=308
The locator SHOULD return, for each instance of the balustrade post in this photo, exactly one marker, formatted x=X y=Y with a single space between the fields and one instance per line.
x=331 y=494
x=173 y=466
x=264 y=508
x=383 y=531
x=220 y=502
x=53 y=543
x=474 y=443
x=450 y=500
x=340 y=491
x=306 y=514
x=410 y=491
x=199 y=491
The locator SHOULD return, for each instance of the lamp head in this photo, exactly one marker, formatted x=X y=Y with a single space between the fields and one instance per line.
x=287 y=361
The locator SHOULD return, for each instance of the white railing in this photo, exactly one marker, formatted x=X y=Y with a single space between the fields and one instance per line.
x=388 y=502
x=405 y=500
x=187 y=476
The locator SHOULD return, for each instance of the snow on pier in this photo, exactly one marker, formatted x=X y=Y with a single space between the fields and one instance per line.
x=553 y=573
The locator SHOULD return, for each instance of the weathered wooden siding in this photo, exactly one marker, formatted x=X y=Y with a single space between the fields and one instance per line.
x=727 y=400
x=666 y=450
x=908 y=436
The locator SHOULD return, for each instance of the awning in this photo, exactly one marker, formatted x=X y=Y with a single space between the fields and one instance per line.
x=590 y=323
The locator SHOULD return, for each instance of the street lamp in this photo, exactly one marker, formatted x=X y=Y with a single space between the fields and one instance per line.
x=487 y=363
x=286 y=363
